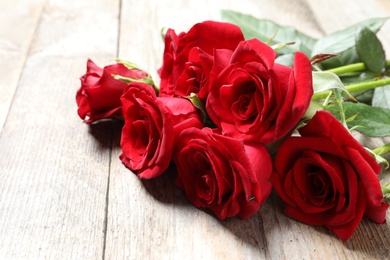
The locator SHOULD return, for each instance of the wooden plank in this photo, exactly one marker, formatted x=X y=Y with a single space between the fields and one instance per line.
x=370 y=240
x=180 y=16
x=152 y=219
x=18 y=24
x=54 y=169
x=332 y=18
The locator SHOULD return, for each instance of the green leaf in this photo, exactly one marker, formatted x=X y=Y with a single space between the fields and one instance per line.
x=370 y=121
x=312 y=109
x=381 y=97
x=323 y=80
x=342 y=40
x=265 y=30
x=285 y=59
x=370 y=50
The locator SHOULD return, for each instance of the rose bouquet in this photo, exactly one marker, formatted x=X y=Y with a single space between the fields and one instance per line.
x=242 y=109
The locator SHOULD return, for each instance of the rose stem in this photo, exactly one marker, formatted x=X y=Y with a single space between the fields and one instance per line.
x=355 y=87
x=355 y=67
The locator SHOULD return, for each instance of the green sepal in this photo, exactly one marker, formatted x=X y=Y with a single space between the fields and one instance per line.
x=128 y=64
x=195 y=100
x=386 y=192
x=146 y=80
x=381 y=97
x=378 y=158
x=279 y=46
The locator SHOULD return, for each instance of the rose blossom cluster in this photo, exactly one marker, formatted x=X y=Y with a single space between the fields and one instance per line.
x=223 y=102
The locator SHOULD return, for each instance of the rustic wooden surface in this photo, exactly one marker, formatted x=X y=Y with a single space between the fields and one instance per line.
x=64 y=194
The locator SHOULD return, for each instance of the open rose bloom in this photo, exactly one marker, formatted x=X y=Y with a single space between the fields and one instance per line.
x=187 y=58
x=253 y=98
x=226 y=175
x=325 y=177
x=222 y=101
x=152 y=125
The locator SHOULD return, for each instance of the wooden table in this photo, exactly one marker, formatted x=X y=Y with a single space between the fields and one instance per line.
x=63 y=191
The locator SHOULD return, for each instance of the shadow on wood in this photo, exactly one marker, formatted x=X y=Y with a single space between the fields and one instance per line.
x=371 y=239
x=107 y=132
x=162 y=188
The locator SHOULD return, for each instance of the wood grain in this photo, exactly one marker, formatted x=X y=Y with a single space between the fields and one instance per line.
x=17 y=29
x=152 y=216
x=64 y=192
x=53 y=168
x=332 y=16
x=144 y=24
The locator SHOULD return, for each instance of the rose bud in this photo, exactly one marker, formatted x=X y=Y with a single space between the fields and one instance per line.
x=99 y=94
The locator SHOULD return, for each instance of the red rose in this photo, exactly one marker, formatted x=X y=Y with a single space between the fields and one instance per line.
x=187 y=56
x=99 y=94
x=252 y=98
x=327 y=178
x=223 y=174
x=151 y=126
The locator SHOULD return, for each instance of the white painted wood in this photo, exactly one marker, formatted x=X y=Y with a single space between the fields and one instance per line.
x=19 y=20
x=333 y=15
x=55 y=171
x=53 y=168
x=141 y=23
